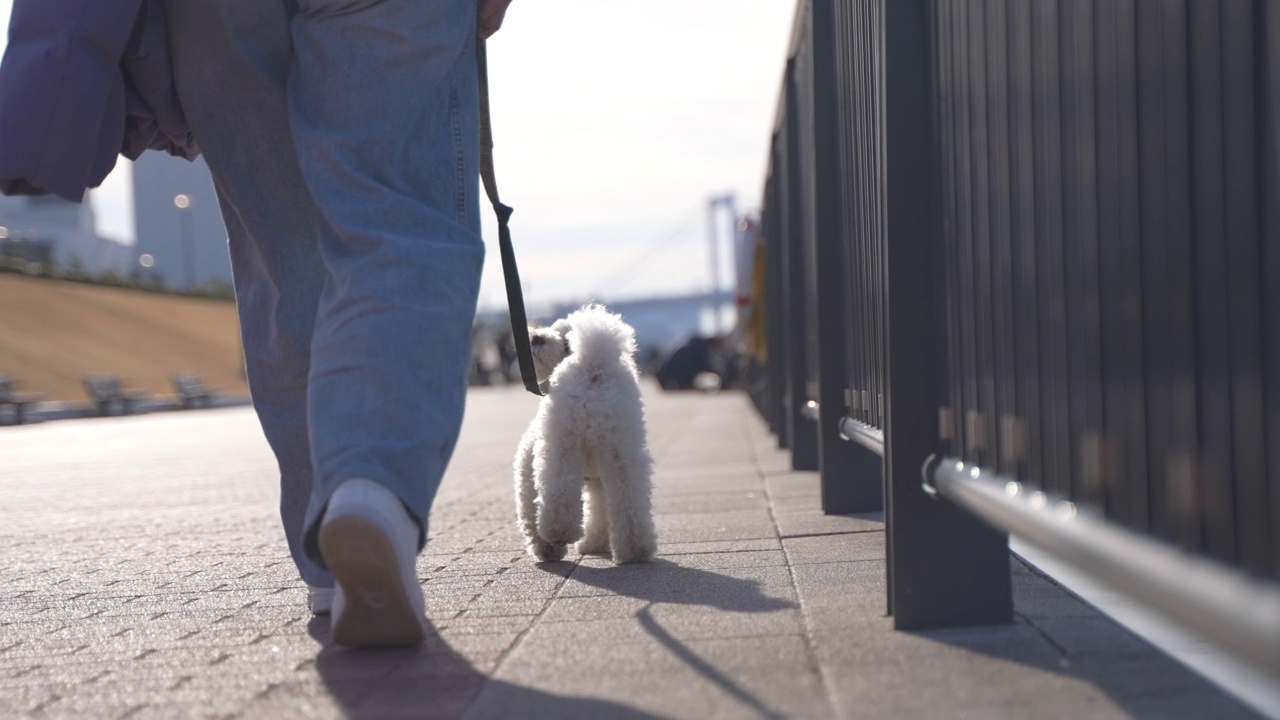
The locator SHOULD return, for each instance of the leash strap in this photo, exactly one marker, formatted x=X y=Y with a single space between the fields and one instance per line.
x=515 y=298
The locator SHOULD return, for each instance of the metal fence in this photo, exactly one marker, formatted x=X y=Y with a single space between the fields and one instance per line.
x=1034 y=240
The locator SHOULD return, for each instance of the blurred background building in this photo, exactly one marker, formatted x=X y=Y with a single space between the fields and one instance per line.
x=48 y=229
x=181 y=237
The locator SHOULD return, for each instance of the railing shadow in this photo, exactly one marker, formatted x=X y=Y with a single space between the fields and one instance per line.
x=435 y=682
x=1118 y=663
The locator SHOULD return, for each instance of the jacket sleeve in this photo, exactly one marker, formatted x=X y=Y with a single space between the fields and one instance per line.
x=62 y=94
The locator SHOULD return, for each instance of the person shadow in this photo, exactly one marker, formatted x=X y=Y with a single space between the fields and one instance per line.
x=435 y=682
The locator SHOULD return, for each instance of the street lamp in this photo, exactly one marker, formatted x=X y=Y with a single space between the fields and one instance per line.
x=182 y=201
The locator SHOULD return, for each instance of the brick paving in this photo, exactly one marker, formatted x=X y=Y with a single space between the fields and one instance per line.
x=143 y=575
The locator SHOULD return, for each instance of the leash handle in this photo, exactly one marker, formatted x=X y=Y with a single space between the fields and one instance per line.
x=515 y=298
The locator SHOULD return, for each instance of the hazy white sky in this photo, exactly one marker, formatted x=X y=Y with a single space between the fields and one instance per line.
x=615 y=120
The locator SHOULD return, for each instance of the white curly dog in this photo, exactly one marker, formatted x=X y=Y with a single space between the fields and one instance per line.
x=588 y=434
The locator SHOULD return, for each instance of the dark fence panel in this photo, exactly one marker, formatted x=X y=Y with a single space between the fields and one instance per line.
x=852 y=477
x=1104 y=235
x=858 y=31
x=1041 y=238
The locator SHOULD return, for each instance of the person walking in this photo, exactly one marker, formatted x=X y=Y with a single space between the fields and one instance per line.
x=342 y=136
x=343 y=141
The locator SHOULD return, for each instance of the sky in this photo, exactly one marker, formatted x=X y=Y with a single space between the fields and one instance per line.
x=614 y=121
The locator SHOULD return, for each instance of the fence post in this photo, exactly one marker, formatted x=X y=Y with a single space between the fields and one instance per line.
x=775 y=312
x=946 y=567
x=802 y=431
x=852 y=477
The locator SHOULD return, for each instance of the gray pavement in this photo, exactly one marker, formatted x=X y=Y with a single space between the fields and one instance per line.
x=143 y=575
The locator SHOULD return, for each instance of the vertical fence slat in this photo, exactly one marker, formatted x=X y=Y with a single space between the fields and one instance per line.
x=1004 y=334
x=1026 y=424
x=1110 y=462
x=1131 y=308
x=984 y=407
x=1267 y=31
x=950 y=389
x=961 y=250
x=1080 y=185
x=1182 y=497
x=1074 y=120
x=1049 y=251
x=1212 y=328
x=1244 y=279
x=1155 y=272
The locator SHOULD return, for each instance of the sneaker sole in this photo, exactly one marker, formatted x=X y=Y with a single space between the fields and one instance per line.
x=377 y=610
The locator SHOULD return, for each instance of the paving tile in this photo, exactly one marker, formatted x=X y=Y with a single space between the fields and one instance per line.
x=844 y=547
x=810 y=522
x=729 y=525
x=717 y=546
x=1085 y=636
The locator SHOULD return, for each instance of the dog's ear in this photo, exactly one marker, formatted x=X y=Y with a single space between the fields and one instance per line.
x=561 y=326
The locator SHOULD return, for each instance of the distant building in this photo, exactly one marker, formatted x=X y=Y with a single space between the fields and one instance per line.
x=46 y=228
x=181 y=237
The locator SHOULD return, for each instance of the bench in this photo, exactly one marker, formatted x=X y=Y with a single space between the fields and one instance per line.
x=193 y=391
x=107 y=390
x=19 y=401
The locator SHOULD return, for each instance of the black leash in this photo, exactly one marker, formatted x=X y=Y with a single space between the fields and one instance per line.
x=515 y=298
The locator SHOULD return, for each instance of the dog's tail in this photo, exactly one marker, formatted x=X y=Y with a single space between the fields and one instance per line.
x=597 y=334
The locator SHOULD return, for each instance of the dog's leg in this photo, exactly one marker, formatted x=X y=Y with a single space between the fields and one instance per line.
x=526 y=510
x=596 y=539
x=559 y=478
x=627 y=480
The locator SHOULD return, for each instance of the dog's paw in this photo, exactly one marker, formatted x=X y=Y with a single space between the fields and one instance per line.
x=639 y=553
x=546 y=552
x=558 y=533
x=593 y=546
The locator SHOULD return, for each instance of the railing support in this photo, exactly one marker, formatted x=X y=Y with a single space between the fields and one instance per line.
x=946 y=567
x=802 y=432
x=775 y=293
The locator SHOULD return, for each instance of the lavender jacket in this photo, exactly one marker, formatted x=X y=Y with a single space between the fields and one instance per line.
x=83 y=81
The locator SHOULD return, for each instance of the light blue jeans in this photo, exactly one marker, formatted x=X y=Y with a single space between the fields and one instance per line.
x=342 y=138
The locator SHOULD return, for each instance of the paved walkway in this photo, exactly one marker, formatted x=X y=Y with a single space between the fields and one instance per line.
x=143 y=575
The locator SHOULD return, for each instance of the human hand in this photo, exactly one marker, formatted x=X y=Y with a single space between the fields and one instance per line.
x=491 y=14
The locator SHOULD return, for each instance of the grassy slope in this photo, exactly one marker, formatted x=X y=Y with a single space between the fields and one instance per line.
x=52 y=332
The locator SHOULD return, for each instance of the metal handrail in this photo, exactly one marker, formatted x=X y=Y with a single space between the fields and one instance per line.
x=1225 y=605
x=865 y=435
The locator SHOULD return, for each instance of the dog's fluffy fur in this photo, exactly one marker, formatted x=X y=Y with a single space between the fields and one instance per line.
x=588 y=435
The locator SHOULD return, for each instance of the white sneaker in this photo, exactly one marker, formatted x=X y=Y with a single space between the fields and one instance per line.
x=370 y=544
x=319 y=599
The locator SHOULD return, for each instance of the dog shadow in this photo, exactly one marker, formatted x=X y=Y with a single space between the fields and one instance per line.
x=665 y=582
x=435 y=682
